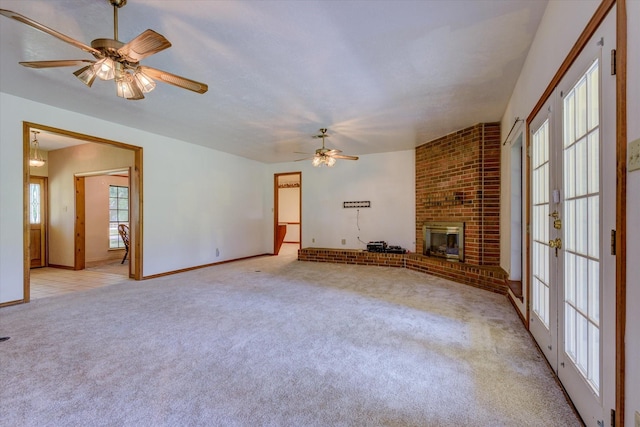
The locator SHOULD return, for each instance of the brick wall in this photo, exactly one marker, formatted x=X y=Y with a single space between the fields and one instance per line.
x=458 y=179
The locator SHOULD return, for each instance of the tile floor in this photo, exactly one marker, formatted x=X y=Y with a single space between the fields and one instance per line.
x=47 y=282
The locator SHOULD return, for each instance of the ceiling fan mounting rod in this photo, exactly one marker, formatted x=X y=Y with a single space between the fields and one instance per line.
x=117 y=4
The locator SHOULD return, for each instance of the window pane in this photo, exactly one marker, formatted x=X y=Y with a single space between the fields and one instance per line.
x=594 y=162
x=594 y=292
x=570 y=278
x=594 y=226
x=593 y=94
x=123 y=204
x=118 y=213
x=569 y=120
x=581 y=108
x=581 y=167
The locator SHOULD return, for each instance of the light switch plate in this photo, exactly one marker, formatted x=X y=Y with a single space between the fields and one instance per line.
x=637 y=419
x=633 y=150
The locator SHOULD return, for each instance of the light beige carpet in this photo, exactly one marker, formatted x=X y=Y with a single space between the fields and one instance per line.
x=273 y=341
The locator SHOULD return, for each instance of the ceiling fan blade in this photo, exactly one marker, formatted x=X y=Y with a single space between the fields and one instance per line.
x=344 y=157
x=332 y=152
x=306 y=158
x=44 y=29
x=172 y=79
x=59 y=63
x=146 y=44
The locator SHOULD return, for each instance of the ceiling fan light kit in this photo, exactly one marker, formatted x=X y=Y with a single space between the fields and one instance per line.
x=326 y=156
x=115 y=60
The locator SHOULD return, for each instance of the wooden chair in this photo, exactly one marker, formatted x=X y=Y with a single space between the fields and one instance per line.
x=124 y=234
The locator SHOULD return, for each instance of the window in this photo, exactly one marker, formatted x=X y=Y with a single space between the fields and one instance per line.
x=118 y=214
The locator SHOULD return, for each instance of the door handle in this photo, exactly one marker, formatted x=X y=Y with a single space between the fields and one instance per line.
x=556 y=244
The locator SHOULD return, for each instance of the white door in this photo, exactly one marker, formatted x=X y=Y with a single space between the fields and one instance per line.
x=572 y=215
x=543 y=313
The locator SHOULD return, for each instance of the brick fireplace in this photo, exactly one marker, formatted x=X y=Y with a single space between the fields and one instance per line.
x=458 y=180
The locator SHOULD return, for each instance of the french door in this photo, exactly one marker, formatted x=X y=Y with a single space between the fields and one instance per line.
x=572 y=212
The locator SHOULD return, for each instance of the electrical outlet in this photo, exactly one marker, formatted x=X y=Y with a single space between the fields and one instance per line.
x=633 y=162
x=217 y=252
x=344 y=241
x=313 y=240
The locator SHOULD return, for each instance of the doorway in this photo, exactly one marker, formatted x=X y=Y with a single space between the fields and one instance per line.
x=135 y=253
x=572 y=172
x=287 y=210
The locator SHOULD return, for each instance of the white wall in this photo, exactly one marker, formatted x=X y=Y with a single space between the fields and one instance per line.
x=561 y=25
x=633 y=214
x=387 y=180
x=196 y=200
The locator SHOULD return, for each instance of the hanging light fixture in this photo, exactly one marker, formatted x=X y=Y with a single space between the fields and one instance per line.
x=35 y=159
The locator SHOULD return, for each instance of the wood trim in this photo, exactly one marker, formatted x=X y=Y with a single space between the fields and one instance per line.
x=61 y=267
x=26 y=254
x=197 y=267
x=9 y=303
x=79 y=225
x=275 y=213
x=527 y=215
x=579 y=45
x=621 y=206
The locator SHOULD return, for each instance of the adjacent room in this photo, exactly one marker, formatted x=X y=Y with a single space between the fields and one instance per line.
x=319 y=213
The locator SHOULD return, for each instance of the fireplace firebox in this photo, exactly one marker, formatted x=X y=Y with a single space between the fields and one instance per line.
x=444 y=240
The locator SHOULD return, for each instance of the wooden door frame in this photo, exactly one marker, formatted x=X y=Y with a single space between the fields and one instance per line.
x=275 y=207
x=621 y=177
x=136 y=197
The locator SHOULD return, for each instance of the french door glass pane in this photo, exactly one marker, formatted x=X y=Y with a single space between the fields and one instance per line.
x=540 y=222
x=581 y=185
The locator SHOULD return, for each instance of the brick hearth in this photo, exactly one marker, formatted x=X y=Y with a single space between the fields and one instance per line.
x=484 y=277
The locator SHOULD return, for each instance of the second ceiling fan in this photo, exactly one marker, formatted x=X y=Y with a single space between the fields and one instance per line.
x=115 y=60
x=326 y=156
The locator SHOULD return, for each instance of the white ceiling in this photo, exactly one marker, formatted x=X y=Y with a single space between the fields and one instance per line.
x=381 y=75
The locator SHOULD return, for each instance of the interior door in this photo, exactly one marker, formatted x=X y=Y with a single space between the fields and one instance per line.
x=38 y=221
x=572 y=214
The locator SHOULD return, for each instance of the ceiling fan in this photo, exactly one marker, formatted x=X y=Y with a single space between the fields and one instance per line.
x=326 y=156
x=114 y=59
